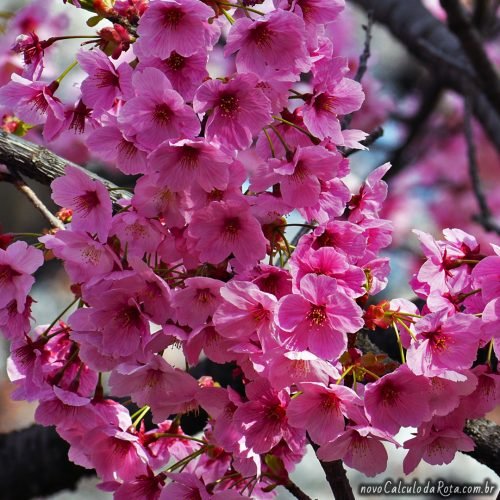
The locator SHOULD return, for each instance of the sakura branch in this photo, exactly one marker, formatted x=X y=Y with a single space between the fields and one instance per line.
x=413 y=25
x=460 y=23
x=21 y=186
x=485 y=217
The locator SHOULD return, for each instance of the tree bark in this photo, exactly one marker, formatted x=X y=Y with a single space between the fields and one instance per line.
x=430 y=41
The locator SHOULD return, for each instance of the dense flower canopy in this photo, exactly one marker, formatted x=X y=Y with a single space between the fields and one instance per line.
x=199 y=256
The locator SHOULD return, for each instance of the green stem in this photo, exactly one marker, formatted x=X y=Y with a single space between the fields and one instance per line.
x=239 y=6
x=344 y=374
x=228 y=16
x=401 y=352
x=271 y=146
x=280 y=137
x=66 y=71
x=47 y=330
x=139 y=415
x=159 y=435
x=490 y=353
x=402 y=323
x=291 y=124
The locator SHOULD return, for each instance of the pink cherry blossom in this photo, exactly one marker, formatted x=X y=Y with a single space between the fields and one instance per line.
x=88 y=199
x=239 y=109
x=271 y=44
x=319 y=318
x=157 y=112
x=225 y=229
x=17 y=263
x=321 y=410
x=180 y=26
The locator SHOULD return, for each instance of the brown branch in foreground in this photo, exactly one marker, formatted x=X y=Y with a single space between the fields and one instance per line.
x=460 y=23
x=486 y=436
x=485 y=217
x=16 y=180
x=39 y=164
x=296 y=491
x=336 y=476
x=411 y=23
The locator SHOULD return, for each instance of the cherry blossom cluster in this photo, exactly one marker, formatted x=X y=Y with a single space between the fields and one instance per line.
x=200 y=257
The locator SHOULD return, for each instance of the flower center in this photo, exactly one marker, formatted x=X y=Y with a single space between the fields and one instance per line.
x=175 y=62
x=275 y=413
x=229 y=105
x=232 y=226
x=106 y=78
x=389 y=394
x=437 y=339
x=86 y=202
x=162 y=114
x=204 y=295
x=7 y=273
x=91 y=255
x=261 y=35
x=172 y=18
x=189 y=158
x=260 y=313
x=325 y=102
x=329 y=401
x=317 y=315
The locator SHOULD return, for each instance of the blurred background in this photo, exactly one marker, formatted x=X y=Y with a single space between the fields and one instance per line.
x=429 y=190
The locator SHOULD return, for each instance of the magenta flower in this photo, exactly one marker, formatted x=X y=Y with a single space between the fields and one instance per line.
x=389 y=402
x=225 y=229
x=270 y=45
x=444 y=345
x=244 y=310
x=487 y=276
x=322 y=410
x=359 y=447
x=315 y=12
x=157 y=112
x=83 y=256
x=288 y=367
x=239 y=110
x=263 y=419
x=435 y=445
x=333 y=95
x=300 y=179
x=105 y=83
x=184 y=72
x=110 y=144
x=31 y=101
x=198 y=301
x=153 y=198
x=17 y=263
x=88 y=199
x=185 y=163
x=180 y=26
x=319 y=318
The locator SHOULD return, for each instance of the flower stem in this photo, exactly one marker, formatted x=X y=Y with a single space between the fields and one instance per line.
x=59 y=316
x=66 y=71
x=401 y=352
x=239 y=6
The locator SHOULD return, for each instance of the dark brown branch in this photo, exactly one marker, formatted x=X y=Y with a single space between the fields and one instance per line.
x=35 y=463
x=38 y=163
x=417 y=123
x=412 y=24
x=336 y=476
x=16 y=180
x=296 y=491
x=472 y=44
x=485 y=217
x=486 y=436
x=363 y=63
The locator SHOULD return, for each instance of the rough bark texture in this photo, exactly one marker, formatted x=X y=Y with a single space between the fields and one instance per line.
x=34 y=462
x=486 y=435
x=38 y=163
x=435 y=46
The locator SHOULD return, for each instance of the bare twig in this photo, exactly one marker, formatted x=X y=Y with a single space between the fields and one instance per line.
x=485 y=217
x=296 y=491
x=429 y=101
x=363 y=63
x=15 y=179
x=460 y=23
x=410 y=22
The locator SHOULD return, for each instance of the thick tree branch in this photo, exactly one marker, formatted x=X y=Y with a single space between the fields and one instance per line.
x=415 y=27
x=472 y=44
x=38 y=163
x=486 y=435
x=35 y=463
